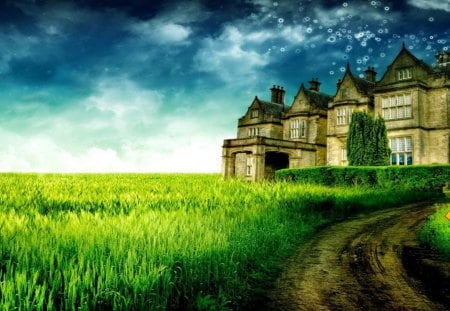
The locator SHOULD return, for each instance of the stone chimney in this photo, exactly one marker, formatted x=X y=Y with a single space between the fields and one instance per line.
x=371 y=74
x=443 y=58
x=314 y=84
x=277 y=94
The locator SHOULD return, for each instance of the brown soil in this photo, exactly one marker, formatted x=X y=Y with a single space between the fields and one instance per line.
x=367 y=263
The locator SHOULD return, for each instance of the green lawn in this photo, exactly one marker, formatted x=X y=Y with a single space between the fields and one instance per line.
x=436 y=232
x=136 y=241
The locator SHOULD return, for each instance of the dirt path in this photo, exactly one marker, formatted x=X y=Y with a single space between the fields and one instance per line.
x=356 y=265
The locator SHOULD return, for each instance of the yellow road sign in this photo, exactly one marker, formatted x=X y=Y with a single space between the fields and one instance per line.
x=448 y=215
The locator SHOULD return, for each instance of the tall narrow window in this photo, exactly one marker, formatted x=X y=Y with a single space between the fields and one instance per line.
x=302 y=128
x=340 y=112
x=255 y=113
x=343 y=156
x=248 y=170
x=254 y=131
x=294 y=128
x=402 y=151
x=344 y=116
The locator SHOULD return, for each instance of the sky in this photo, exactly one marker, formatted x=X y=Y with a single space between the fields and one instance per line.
x=155 y=86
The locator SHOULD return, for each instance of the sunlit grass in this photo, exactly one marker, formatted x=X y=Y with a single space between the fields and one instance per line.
x=436 y=232
x=157 y=241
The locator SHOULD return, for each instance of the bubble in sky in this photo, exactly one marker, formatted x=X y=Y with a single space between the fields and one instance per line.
x=275 y=3
x=298 y=51
x=345 y=57
x=281 y=20
x=445 y=48
x=306 y=19
x=431 y=37
x=345 y=4
x=348 y=48
x=282 y=50
x=412 y=37
x=359 y=60
x=361 y=75
x=431 y=19
x=378 y=39
x=330 y=30
x=386 y=8
x=366 y=58
x=364 y=43
x=441 y=41
x=342 y=69
x=300 y=9
x=331 y=72
x=374 y=3
x=333 y=63
x=382 y=54
x=309 y=30
x=331 y=39
x=315 y=21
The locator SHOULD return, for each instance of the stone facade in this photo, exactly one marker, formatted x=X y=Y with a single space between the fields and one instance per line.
x=412 y=97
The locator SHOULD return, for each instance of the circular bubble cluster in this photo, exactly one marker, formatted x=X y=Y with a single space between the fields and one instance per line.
x=357 y=38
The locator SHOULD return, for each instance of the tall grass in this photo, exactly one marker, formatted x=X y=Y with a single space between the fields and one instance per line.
x=436 y=231
x=157 y=242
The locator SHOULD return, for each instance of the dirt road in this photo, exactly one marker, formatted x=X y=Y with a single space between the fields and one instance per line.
x=357 y=265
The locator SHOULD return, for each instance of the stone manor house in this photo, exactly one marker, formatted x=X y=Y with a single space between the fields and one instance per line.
x=412 y=97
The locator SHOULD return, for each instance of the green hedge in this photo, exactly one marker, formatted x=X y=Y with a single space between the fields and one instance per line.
x=420 y=177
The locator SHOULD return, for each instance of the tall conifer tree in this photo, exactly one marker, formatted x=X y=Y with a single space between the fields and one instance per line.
x=367 y=142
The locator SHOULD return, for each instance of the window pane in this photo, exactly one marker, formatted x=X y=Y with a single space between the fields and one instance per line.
x=394 y=113
x=394 y=159
x=409 y=158
x=407 y=111
x=408 y=144
x=401 y=159
x=401 y=144
x=401 y=112
x=394 y=145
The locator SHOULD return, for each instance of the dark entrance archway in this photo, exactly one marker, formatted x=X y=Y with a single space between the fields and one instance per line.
x=275 y=161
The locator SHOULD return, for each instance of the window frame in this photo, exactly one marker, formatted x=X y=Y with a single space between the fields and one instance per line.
x=397 y=107
x=402 y=150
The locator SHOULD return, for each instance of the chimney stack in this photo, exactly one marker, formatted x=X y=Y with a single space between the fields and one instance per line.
x=371 y=74
x=277 y=94
x=442 y=58
x=314 y=84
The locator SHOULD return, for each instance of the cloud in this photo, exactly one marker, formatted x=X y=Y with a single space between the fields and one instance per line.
x=230 y=56
x=443 y=5
x=160 y=32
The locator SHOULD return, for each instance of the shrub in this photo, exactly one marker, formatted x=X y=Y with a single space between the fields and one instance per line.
x=420 y=177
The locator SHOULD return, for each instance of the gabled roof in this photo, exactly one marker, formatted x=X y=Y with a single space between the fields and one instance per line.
x=405 y=52
x=273 y=109
x=317 y=99
x=361 y=85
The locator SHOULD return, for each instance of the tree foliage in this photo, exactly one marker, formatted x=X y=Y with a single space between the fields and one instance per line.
x=367 y=142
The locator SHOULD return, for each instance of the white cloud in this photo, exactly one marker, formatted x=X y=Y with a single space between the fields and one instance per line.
x=159 y=32
x=121 y=128
x=431 y=4
x=230 y=57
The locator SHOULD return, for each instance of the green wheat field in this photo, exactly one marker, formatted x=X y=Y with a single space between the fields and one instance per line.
x=157 y=242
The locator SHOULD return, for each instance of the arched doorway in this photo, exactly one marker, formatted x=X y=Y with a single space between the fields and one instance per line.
x=275 y=161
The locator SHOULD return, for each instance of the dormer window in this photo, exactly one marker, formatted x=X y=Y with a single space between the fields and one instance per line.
x=254 y=113
x=404 y=74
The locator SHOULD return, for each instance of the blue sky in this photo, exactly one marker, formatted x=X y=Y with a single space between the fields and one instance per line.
x=128 y=86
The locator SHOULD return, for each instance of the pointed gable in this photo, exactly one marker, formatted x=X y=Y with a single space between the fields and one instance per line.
x=308 y=101
x=405 y=68
x=351 y=87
